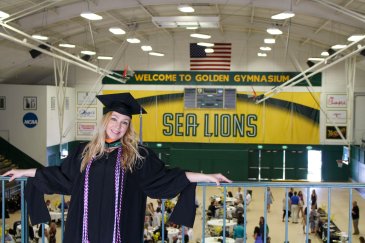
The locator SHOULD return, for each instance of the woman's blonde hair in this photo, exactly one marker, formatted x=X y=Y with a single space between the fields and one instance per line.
x=95 y=148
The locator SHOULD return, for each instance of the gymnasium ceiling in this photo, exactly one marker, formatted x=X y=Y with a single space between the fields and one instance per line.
x=318 y=23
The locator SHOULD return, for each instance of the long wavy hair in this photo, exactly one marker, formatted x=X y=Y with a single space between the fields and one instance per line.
x=95 y=148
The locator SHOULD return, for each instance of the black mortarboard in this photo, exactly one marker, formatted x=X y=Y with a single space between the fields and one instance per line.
x=123 y=103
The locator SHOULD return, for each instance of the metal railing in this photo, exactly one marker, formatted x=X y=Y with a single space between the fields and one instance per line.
x=245 y=185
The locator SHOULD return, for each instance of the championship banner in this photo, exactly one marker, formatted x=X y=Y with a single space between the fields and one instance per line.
x=213 y=78
x=289 y=118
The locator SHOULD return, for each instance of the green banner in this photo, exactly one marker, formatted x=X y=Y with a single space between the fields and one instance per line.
x=214 y=78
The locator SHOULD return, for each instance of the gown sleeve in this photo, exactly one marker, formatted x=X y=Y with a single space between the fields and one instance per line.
x=51 y=180
x=159 y=181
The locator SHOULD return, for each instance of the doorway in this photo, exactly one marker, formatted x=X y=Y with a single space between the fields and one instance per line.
x=314 y=165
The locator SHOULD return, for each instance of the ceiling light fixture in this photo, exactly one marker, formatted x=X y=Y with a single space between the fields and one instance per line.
x=105 y=58
x=186 y=21
x=186 y=8
x=274 y=31
x=66 y=45
x=192 y=27
x=283 y=15
x=134 y=40
x=116 y=31
x=261 y=54
x=205 y=44
x=315 y=59
x=91 y=16
x=146 y=48
x=200 y=36
x=269 y=41
x=354 y=38
x=338 y=47
x=3 y=15
x=265 y=48
x=90 y=53
x=325 y=54
x=209 y=50
x=157 y=54
x=40 y=37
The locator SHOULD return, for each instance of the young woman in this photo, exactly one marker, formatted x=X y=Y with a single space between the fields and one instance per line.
x=109 y=179
x=270 y=199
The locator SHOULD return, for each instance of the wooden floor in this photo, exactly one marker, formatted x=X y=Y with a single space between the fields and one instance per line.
x=339 y=209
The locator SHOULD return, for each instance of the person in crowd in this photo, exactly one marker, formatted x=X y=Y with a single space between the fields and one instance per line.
x=262 y=225
x=304 y=220
x=42 y=239
x=229 y=194
x=158 y=233
x=291 y=192
x=314 y=198
x=257 y=235
x=301 y=204
x=248 y=198
x=313 y=219
x=147 y=236
x=212 y=209
x=270 y=199
x=109 y=179
x=238 y=193
x=157 y=218
x=52 y=232
x=49 y=205
x=294 y=202
x=355 y=217
x=286 y=199
x=239 y=230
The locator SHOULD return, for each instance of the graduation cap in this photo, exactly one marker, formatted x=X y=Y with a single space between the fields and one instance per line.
x=123 y=103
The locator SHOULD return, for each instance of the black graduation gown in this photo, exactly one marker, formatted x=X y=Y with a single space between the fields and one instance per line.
x=150 y=178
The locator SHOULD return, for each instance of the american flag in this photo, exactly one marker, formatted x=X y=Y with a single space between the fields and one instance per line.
x=219 y=60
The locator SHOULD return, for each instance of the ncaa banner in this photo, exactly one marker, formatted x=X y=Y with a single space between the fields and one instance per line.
x=289 y=118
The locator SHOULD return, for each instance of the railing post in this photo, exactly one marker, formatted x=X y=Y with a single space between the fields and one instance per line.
x=203 y=212
x=23 y=216
x=163 y=221
x=245 y=214
x=286 y=214
x=329 y=216
x=62 y=216
x=3 y=211
x=224 y=213
x=265 y=214
x=307 y=215
x=350 y=216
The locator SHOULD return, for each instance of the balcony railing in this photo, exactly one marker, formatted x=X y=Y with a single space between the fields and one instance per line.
x=225 y=186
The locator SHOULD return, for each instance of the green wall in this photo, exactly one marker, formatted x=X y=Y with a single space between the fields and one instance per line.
x=240 y=162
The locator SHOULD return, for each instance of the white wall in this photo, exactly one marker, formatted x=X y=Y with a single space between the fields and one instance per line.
x=53 y=128
x=30 y=140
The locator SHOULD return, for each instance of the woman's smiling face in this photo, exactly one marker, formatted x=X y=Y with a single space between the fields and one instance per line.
x=117 y=126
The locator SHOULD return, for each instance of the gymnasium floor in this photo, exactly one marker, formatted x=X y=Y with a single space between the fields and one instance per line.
x=339 y=209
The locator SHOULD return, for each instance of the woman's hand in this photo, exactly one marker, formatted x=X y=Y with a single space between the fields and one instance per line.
x=17 y=173
x=200 y=177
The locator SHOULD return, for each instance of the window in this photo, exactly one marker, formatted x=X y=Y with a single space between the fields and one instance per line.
x=210 y=98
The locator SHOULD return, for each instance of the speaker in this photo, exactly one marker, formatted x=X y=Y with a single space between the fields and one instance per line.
x=86 y=57
x=310 y=63
x=362 y=53
x=331 y=51
x=35 y=53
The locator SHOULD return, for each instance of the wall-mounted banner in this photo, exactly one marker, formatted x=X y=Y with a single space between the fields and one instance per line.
x=336 y=101
x=285 y=119
x=331 y=132
x=30 y=120
x=86 y=128
x=88 y=113
x=214 y=78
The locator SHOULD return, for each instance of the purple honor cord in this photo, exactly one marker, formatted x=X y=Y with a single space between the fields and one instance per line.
x=117 y=204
